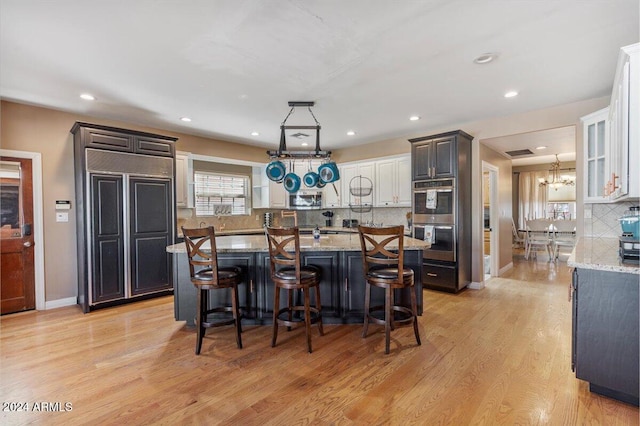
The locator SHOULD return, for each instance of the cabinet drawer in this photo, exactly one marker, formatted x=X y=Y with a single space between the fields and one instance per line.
x=105 y=139
x=152 y=146
x=439 y=276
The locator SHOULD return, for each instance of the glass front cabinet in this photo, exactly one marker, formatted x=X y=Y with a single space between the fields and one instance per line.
x=596 y=146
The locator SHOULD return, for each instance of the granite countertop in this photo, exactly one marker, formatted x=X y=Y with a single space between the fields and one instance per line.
x=327 y=242
x=260 y=231
x=600 y=254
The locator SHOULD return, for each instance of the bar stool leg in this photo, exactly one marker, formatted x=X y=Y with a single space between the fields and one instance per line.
x=387 y=318
x=367 y=300
x=319 y=307
x=414 y=310
x=307 y=316
x=236 y=315
x=276 y=308
x=290 y=306
x=202 y=307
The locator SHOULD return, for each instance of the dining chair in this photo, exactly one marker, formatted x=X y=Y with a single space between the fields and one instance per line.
x=538 y=237
x=206 y=274
x=518 y=240
x=564 y=235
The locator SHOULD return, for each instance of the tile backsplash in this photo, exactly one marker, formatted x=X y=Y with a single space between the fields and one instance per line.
x=604 y=218
x=382 y=215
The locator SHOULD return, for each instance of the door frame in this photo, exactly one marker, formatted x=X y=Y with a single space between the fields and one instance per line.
x=38 y=220
x=494 y=217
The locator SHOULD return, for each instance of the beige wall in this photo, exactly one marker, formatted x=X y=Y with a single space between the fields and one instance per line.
x=28 y=128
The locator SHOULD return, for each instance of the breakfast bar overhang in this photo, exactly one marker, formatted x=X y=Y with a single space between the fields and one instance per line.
x=338 y=256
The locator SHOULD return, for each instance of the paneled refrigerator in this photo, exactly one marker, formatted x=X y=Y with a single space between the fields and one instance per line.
x=125 y=216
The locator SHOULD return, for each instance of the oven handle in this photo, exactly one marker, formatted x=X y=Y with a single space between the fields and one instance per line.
x=424 y=191
x=443 y=227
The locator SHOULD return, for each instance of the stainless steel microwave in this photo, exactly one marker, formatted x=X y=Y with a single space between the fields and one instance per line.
x=305 y=200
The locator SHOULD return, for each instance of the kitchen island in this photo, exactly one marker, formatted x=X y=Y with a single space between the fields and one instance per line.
x=337 y=255
x=605 y=337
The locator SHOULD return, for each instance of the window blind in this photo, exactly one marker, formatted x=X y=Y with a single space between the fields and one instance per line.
x=219 y=194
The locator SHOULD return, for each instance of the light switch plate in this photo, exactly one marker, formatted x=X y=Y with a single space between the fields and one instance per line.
x=62 y=217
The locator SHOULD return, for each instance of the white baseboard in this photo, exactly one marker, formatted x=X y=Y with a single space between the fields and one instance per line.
x=59 y=303
x=505 y=269
x=476 y=286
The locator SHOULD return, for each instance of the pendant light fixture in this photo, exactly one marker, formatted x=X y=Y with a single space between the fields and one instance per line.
x=557 y=180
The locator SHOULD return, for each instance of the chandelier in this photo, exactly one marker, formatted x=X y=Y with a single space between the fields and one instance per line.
x=557 y=180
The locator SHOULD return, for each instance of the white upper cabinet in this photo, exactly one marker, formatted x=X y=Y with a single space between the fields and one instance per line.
x=393 y=178
x=277 y=195
x=347 y=174
x=184 y=180
x=596 y=141
x=624 y=127
x=612 y=137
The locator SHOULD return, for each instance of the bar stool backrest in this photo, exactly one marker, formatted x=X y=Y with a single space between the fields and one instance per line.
x=284 y=249
x=202 y=253
x=382 y=247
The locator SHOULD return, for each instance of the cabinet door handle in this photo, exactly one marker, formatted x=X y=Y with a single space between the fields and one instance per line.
x=250 y=286
x=346 y=284
x=432 y=274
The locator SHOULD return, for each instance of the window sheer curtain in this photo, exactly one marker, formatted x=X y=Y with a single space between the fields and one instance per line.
x=533 y=197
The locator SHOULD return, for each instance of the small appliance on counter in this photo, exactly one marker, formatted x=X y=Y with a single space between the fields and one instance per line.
x=329 y=215
x=629 y=250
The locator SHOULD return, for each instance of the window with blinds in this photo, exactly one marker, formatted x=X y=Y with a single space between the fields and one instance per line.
x=218 y=194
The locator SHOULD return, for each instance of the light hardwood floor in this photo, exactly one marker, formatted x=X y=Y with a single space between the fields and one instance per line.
x=500 y=355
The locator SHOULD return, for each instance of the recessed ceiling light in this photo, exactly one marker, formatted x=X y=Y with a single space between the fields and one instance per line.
x=351 y=133
x=485 y=58
x=541 y=147
x=414 y=118
x=255 y=134
x=185 y=119
x=304 y=144
x=88 y=97
x=511 y=94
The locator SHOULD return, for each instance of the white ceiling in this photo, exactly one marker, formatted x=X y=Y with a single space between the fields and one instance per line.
x=232 y=65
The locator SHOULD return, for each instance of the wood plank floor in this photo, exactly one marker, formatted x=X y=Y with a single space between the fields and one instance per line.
x=500 y=355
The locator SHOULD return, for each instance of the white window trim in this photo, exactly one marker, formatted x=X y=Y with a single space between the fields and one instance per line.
x=246 y=196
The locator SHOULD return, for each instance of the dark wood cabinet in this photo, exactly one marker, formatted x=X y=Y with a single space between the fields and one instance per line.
x=114 y=139
x=341 y=287
x=151 y=231
x=107 y=254
x=125 y=215
x=605 y=332
x=433 y=157
x=446 y=156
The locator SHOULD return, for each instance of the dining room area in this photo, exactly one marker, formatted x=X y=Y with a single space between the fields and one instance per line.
x=544 y=211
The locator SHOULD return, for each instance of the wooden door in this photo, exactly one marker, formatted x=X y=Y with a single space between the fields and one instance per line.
x=17 y=270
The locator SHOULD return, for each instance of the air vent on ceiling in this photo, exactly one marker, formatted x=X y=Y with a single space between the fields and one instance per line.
x=300 y=135
x=519 y=152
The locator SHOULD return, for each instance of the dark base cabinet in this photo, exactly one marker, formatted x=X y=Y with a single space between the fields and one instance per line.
x=341 y=288
x=440 y=276
x=605 y=332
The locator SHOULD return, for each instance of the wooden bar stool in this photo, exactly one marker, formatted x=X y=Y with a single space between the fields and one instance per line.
x=383 y=266
x=207 y=275
x=288 y=274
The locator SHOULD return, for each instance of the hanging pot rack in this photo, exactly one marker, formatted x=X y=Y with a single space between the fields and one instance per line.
x=282 y=151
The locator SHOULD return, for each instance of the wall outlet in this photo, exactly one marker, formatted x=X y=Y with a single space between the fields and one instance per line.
x=587 y=213
x=257 y=217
